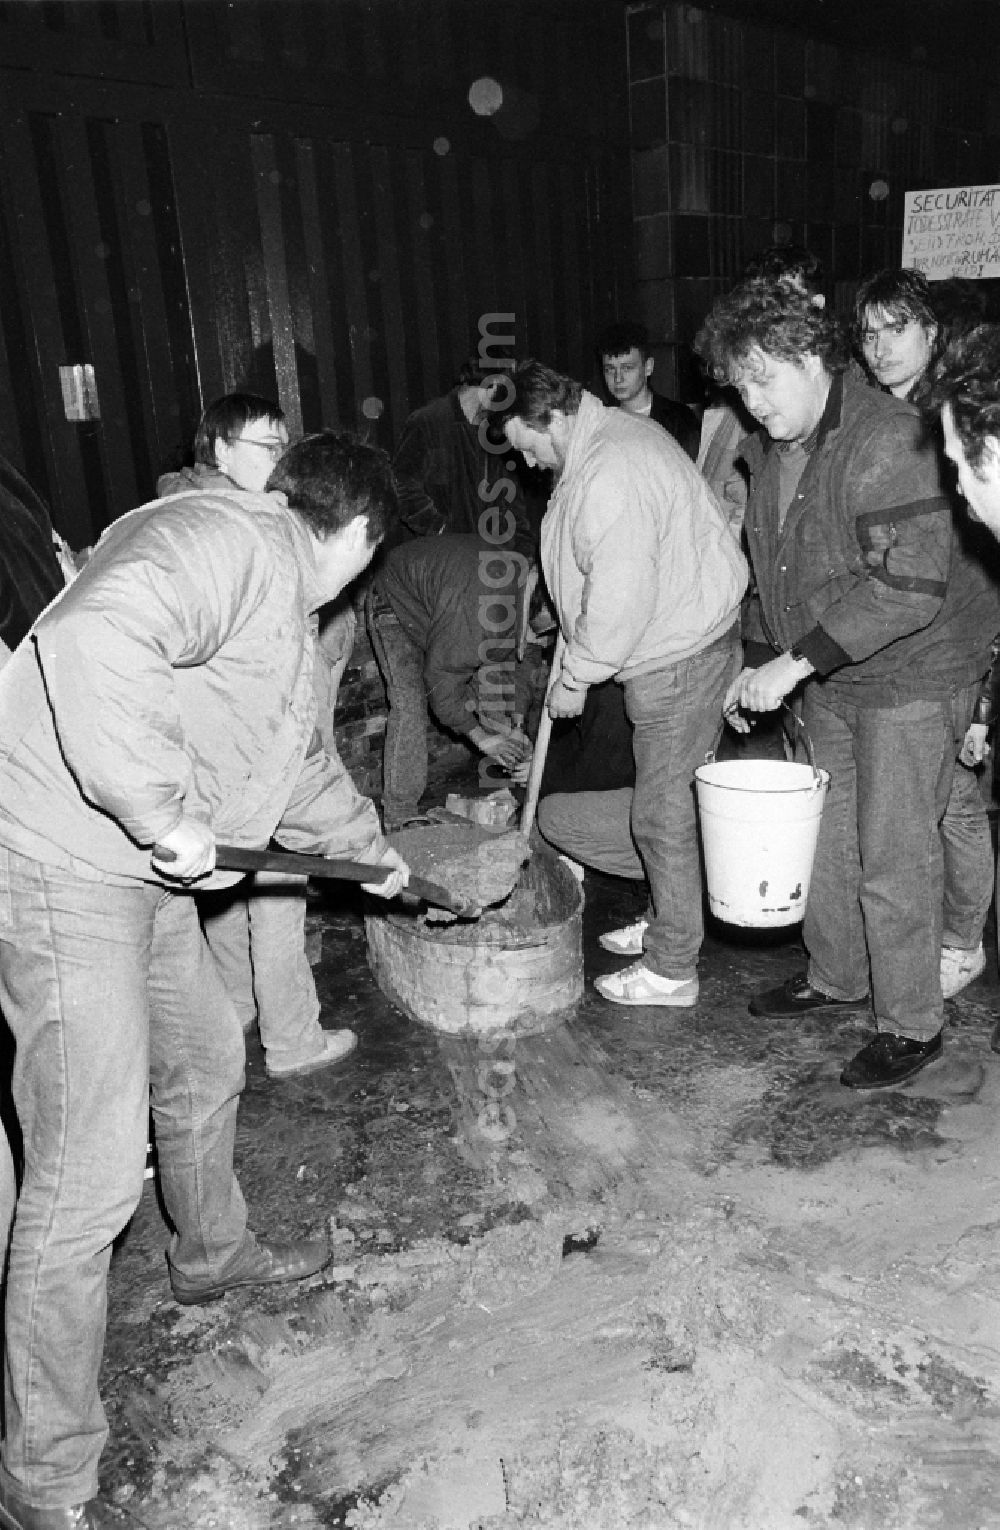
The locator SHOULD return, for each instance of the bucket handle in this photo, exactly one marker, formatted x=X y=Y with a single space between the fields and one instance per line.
x=800 y=729
x=803 y=732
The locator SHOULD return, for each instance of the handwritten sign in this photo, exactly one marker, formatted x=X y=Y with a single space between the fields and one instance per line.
x=953 y=231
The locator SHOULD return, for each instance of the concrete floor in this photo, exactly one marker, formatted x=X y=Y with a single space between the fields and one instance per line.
x=382 y=1153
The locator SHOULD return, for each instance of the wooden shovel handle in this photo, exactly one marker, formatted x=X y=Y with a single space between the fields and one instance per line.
x=541 y=748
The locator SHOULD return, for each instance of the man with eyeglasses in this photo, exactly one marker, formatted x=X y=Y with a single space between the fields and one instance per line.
x=256 y=932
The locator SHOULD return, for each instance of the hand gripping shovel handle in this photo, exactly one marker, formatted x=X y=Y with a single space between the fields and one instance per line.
x=294 y=863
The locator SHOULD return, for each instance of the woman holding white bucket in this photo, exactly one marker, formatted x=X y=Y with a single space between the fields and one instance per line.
x=850 y=537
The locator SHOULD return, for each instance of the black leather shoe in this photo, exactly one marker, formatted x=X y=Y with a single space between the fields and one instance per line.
x=799 y=997
x=260 y=1264
x=889 y=1060
x=95 y=1514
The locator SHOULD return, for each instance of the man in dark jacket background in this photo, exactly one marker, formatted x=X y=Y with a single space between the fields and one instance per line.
x=453 y=465
x=31 y=566
x=448 y=618
x=626 y=361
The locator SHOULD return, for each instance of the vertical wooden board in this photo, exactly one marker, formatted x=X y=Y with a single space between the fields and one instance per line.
x=355 y=288
x=201 y=253
x=19 y=440
x=93 y=239
x=241 y=293
x=458 y=312
x=176 y=395
x=33 y=261
x=390 y=258
x=375 y=407
x=424 y=378
x=321 y=279
x=303 y=329
x=147 y=257
x=340 y=401
x=127 y=315
x=279 y=326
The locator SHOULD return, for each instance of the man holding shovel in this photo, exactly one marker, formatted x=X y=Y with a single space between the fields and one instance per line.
x=164 y=699
x=646 y=580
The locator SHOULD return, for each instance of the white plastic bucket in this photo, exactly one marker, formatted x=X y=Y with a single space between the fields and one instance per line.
x=759 y=826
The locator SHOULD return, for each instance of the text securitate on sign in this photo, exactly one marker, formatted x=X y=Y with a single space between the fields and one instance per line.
x=953 y=231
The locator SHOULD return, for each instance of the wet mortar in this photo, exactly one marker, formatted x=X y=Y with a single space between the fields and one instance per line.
x=797 y=1281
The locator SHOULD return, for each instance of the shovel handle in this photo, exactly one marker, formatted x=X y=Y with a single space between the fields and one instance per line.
x=295 y=863
x=541 y=749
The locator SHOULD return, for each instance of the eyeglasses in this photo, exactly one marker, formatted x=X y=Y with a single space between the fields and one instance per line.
x=274 y=447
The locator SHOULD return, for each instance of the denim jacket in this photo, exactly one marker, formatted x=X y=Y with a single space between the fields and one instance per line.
x=871 y=577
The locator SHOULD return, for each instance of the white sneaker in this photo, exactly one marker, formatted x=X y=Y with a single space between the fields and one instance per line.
x=627 y=941
x=960 y=968
x=573 y=867
x=336 y=1046
x=637 y=985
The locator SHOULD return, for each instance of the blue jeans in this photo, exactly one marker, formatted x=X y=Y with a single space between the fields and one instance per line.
x=967 y=843
x=594 y=828
x=110 y=992
x=258 y=942
x=676 y=713
x=404 y=762
x=874 y=915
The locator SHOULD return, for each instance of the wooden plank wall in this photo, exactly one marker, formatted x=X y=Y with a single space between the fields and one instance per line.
x=295 y=198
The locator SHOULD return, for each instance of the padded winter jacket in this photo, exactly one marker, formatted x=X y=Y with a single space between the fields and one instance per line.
x=174 y=677
x=637 y=556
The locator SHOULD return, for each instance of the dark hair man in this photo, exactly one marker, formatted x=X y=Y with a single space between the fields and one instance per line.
x=626 y=359
x=451 y=461
x=898 y=330
x=445 y=616
x=165 y=698
x=850 y=539
x=965 y=390
x=646 y=582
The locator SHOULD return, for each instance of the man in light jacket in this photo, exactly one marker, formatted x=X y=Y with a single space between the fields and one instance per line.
x=164 y=699
x=646 y=580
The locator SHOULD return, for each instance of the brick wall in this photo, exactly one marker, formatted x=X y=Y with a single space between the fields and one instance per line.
x=745 y=135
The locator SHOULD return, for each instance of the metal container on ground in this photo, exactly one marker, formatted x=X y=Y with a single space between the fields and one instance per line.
x=518 y=969
x=759 y=826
